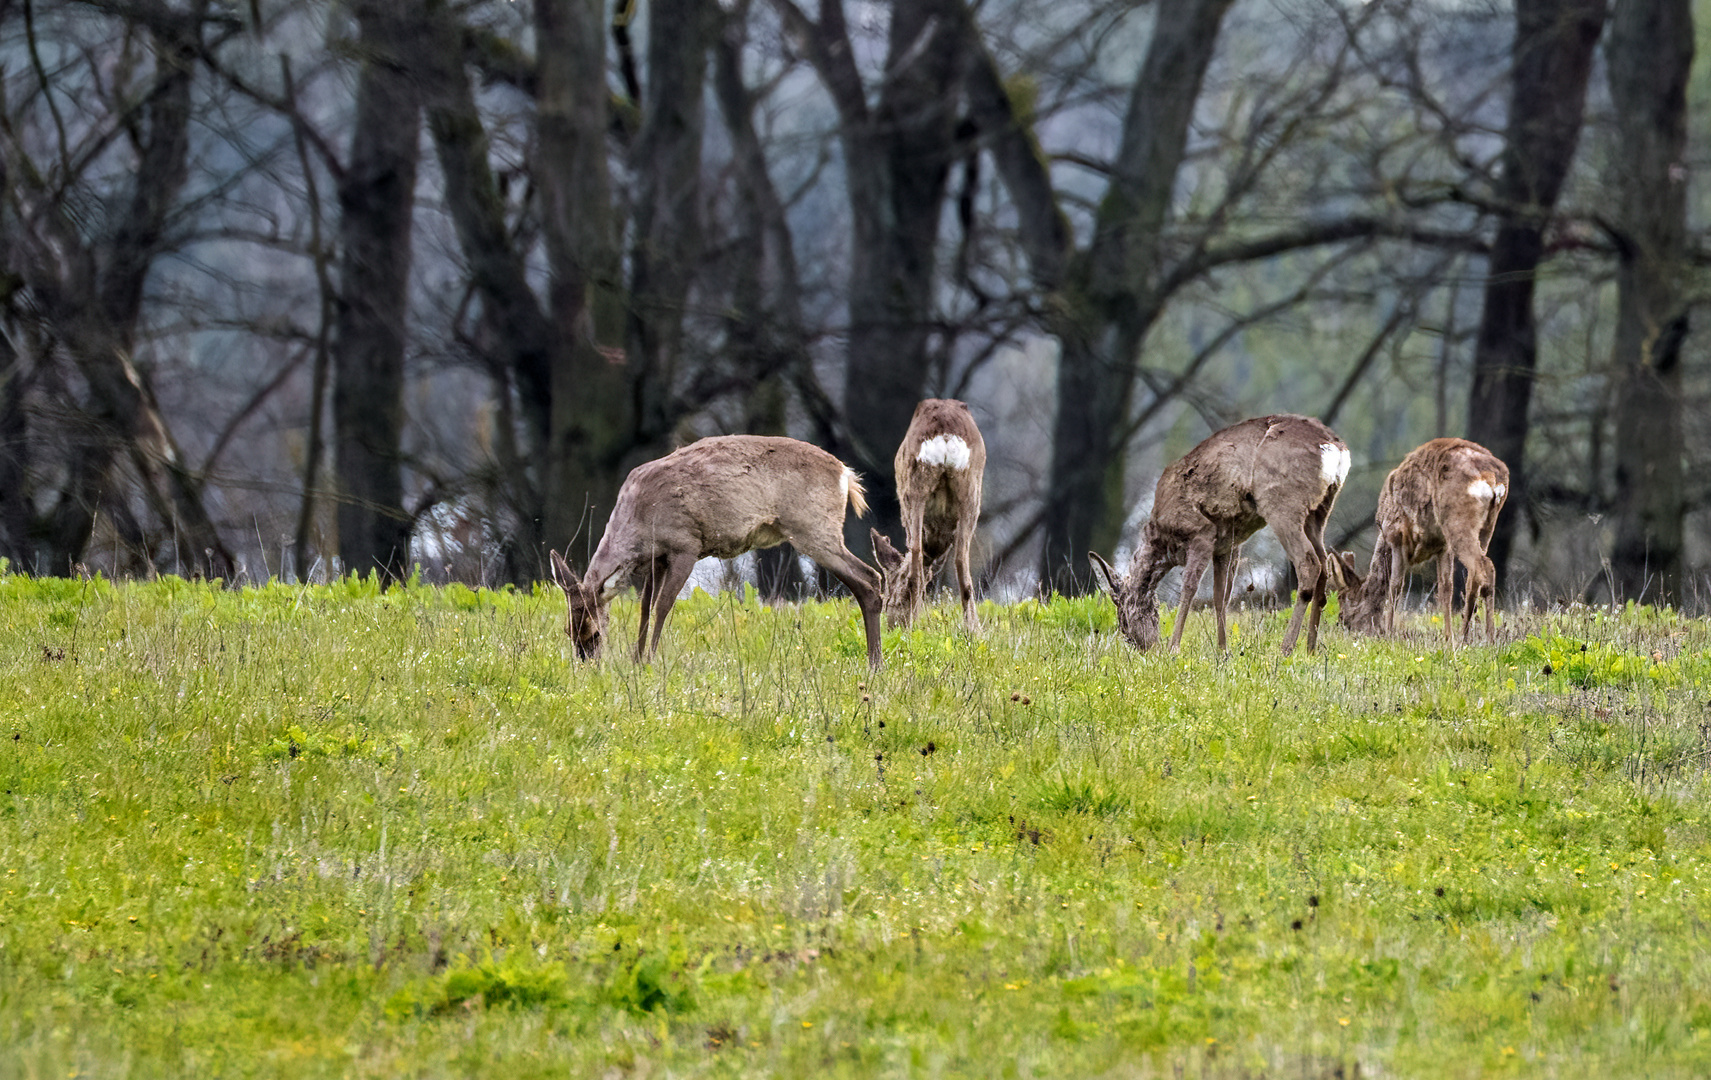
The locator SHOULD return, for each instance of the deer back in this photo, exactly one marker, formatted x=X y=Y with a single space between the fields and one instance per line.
x=723 y=496
x=939 y=466
x=1238 y=476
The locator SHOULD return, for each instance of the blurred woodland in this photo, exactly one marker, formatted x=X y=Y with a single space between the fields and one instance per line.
x=301 y=287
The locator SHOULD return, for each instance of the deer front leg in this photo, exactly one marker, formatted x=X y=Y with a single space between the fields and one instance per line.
x=677 y=570
x=1191 y=574
x=915 y=536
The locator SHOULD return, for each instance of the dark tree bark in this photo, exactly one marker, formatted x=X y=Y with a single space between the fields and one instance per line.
x=16 y=514
x=376 y=205
x=763 y=324
x=518 y=332
x=1110 y=295
x=666 y=161
x=1650 y=56
x=92 y=297
x=591 y=426
x=1551 y=63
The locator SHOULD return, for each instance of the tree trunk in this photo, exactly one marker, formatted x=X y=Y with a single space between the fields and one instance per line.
x=591 y=425
x=1110 y=295
x=16 y=514
x=1650 y=56
x=1551 y=62
x=517 y=329
x=376 y=205
x=666 y=161
x=763 y=326
x=96 y=309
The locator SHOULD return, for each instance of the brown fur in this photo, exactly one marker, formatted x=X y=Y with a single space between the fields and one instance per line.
x=721 y=496
x=941 y=506
x=1267 y=470
x=1429 y=508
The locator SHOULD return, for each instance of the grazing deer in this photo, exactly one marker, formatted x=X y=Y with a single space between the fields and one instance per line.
x=1282 y=470
x=939 y=469
x=720 y=496
x=1440 y=503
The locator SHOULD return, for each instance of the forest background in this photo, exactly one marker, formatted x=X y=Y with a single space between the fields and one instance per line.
x=300 y=287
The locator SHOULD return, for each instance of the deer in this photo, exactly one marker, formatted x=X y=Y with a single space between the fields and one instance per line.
x=939 y=469
x=720 y=496
x=1282 y=470
x=1440 y=503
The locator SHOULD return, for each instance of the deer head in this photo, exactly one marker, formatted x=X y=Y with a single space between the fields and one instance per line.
x=586 y=625
x=902 y=593
x=1137 y=607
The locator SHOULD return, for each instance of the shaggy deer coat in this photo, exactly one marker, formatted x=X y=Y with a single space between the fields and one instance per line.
x=939 y=470
x=1440 y=503
x=719 y=497
x=1281 y=470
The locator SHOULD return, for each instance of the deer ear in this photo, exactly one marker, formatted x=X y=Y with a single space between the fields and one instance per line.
x=1345 y=562
x=1103 y=576
x=888 y=557
x=563 y=574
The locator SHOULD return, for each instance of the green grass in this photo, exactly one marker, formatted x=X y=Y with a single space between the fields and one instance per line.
x=322 y=831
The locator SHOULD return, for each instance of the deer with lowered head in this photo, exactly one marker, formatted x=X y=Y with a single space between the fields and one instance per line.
x=1283 y=471
x=719 y=497
x=1440 y=503
x=939 y=470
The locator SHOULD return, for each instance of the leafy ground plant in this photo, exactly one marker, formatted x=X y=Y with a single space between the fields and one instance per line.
x=330 y=831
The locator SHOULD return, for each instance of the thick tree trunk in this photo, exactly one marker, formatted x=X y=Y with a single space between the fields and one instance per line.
x=1650 y=56
x=764 y=321
x=591 y=425
x=666 y=161
x=1551 y=63
x=17 y=546
x=376 y=205
x=1109 y=298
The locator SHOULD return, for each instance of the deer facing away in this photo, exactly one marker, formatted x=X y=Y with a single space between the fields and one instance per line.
x=1440 y=503
x=720 y=497
x=1282 y=470
x=939 y=471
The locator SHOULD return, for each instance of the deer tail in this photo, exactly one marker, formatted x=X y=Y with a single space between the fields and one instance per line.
x=851 y=485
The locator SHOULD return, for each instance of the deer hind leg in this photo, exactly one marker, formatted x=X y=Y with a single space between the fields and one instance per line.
x=1393 y=588
x=1195 y=568
x=861 y=580
x=915 y=536
x=961 y=548
x=1310 y=581
x=1481 y=575
x=671 y=582
x=650 y=587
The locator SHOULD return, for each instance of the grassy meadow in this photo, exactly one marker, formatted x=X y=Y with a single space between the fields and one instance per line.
x=320 y=831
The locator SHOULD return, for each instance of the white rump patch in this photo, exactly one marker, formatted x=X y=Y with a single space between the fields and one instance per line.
x=944 y=450
x=1333 y=463
x=1500 y=491
x=1482 y=490
x=844 y=485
